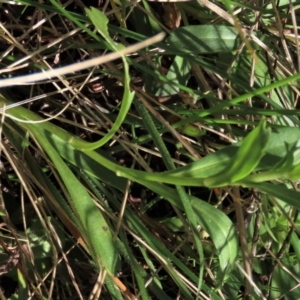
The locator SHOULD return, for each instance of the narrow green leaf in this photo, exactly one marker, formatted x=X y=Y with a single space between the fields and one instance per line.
x=246 y=158
x=214 y=163
x=250 y=152
x=100 y=21
x=84 y=162
x=183 y=196
x=253 y=148
x=22 y=286
x=93 y=226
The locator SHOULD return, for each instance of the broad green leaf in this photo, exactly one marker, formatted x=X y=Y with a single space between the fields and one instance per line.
x=204 y=39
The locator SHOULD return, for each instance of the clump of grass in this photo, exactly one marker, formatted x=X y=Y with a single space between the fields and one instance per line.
x=170 y=171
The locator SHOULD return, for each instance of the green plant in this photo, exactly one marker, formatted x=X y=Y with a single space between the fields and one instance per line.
x=236 y=154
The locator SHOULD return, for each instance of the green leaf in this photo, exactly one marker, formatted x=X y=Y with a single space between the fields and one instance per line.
x=214 y=163
x=222 y=233
x=209 y=217
x=204 y=39
x=100 y=21
x=22 y=286
x=84 y=162
x=246 y=158
x=93 y=226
